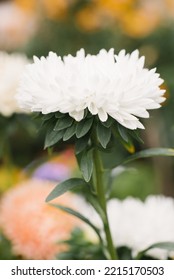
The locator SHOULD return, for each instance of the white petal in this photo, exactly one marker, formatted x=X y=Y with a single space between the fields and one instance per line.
x=77 y=115
x=103 y=116
x=105 y=84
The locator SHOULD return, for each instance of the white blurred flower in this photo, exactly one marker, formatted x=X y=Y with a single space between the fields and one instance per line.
x=138 y=224
x=11 y=68
x=105 y=84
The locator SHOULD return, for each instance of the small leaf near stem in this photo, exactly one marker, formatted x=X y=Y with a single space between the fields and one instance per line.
x=86 y=165
x=79 y=216
x=66 y=186
x=161 y=245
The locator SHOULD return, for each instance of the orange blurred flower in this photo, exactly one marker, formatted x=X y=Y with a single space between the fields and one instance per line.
x=170 y=7
x=16 y=26
x=54 y=9
x=34 y=227
x=135 y=18
x=140 y=22
x=89 y=19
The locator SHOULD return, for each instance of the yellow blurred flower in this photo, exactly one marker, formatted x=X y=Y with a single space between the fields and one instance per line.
x=9 y=177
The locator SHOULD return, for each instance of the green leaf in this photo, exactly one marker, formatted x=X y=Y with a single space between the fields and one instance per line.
x=81 y=144
x=129 y=146
x=169 y=246
x=63 y=123
x=78 y=215
x=96 y=205
x=59 y=115
x=70 y=131
x=53 y=137
x=86 y=165
x=47 y=116
x=135 y=135
x=151 y=153
x=36 y=115
x=83 y=127
x=109 y=122
x=103 y=134
x=123 y=133
x=66 y=186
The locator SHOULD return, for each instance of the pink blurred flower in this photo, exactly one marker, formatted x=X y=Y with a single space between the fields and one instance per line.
x=34 y=227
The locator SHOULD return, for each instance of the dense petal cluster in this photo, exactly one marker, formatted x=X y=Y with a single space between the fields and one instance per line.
x=138 y=224
x=35 y=228
x=11 y=69
x=106 y=84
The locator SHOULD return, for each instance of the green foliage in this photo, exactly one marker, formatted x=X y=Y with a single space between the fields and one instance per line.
x=169 y=246
x=69 y=132
x=65 y=186
x=19 y=141
x=109 y=122
x=79 y=248
x=81 y=144
x=83 y=127
x=86 y=164
x=123 y=133
x=79 y=216
x=63 y=123
x=53 y=137
x=137 y=181
x=124 y=253
x=103 y=134
x=153 y=152
x=6 y=249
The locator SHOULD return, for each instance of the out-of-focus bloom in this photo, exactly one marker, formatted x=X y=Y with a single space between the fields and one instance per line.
x=170 y=7
x=105 y=84
x=54 y=9
x=140 y=22
x=16 y=26
x=9 y=177
x=11 y=69
x=52 y=172
x=35 y=228
x=138 y=224
x=89 y=19
x=58 y=169
x=135 y=18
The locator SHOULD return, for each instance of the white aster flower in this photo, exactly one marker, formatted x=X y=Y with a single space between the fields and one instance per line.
x=138 y=224
x=11 y=68
x=106 y=84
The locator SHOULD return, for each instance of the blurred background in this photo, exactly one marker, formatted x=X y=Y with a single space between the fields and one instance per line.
x=35 y=27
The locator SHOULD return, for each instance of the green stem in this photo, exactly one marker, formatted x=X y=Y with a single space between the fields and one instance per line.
x=102 y=200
